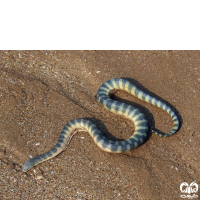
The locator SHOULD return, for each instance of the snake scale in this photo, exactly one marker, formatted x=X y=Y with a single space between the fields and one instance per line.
x=128 y=111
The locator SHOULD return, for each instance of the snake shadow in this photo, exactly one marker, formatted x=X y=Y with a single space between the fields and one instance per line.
x=102 y=128
x=147 y=112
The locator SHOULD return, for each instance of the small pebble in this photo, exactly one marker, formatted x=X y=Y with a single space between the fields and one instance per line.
x=15 y=179
x=39 y=177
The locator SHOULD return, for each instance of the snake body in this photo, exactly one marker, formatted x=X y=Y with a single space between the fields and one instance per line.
x=130 y=112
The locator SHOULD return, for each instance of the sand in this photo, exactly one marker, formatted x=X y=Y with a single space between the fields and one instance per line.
x=41 y=91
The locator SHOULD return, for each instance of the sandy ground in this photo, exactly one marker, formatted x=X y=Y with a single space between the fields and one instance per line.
x=40 y=91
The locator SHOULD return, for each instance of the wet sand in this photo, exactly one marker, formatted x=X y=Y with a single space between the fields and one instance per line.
x=41 y=91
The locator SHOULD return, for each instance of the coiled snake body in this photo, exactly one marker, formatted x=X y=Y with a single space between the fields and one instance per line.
x=128 y=111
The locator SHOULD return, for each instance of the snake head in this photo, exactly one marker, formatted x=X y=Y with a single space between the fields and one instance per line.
x=29 y=164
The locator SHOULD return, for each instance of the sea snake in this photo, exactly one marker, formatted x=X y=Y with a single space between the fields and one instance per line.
x=128 y=111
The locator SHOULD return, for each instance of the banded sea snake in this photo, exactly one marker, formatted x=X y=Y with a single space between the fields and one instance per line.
x=128 y=111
